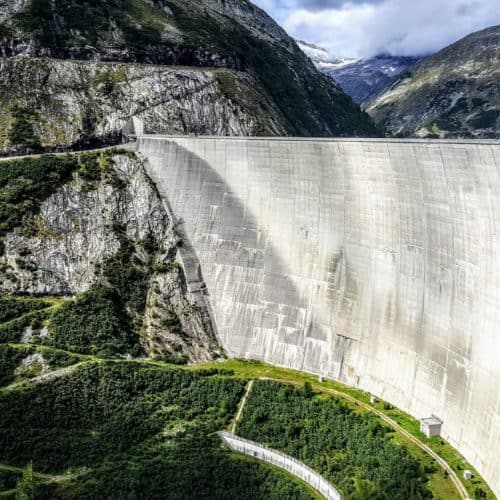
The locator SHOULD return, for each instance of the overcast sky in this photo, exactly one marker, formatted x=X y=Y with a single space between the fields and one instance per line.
x=362 y=28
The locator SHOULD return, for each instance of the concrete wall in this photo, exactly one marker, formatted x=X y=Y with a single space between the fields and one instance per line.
x=283 y=461
x=373 y=262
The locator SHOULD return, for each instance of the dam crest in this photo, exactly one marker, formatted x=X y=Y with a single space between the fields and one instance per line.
x=372 y=262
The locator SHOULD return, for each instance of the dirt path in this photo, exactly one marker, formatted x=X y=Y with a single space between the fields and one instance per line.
x=241 y=405
x=44 y=377
x=129 y=146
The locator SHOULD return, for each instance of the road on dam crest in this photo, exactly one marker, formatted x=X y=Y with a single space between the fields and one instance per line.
x=373 y=262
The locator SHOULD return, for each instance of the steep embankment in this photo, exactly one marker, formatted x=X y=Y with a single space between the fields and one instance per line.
x=97 y=230
x=454 y=93
x=236 y=73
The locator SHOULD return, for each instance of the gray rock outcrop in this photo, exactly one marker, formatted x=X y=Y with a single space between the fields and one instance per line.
x=61 y=251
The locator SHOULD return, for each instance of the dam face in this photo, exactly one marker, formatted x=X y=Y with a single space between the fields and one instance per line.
x=376 y=263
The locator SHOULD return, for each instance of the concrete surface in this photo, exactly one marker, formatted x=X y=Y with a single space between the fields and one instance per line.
x=376 y=263
x=279 y=459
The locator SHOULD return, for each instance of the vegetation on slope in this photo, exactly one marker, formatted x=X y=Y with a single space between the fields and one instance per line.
x=453 y=93
x=129 y=431
x=94 y=323
x=26 y=183
x=12 y=355
x=12 y=307
x=354 y=451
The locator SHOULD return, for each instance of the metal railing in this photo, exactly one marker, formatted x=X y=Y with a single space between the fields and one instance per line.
x=279 y=459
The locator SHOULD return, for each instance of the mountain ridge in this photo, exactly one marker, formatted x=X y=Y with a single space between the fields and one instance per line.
x=361 y=78
x=453 y=93
x=234 y=37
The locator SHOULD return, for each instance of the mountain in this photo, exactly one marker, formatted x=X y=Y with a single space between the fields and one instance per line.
x=362 y=79
x=454 y=93
x=76 y=71
x=321 y=58
x=366 y=78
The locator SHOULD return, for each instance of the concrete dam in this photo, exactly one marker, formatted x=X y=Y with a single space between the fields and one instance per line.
x=373 y=262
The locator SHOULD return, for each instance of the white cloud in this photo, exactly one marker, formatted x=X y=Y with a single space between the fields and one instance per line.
x=365 y=28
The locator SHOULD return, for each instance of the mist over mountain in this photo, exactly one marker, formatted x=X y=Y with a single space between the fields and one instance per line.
x=454 y=93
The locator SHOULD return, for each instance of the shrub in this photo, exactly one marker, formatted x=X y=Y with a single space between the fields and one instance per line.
x=94 y=323
x=349 y=448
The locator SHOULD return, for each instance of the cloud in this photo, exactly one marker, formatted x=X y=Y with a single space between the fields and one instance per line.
x=365 y=28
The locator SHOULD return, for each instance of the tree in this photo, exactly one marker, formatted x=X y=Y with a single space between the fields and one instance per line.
x=25 y=487
x=365 y=490
x=307 y=389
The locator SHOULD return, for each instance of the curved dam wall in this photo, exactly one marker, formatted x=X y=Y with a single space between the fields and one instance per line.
x=376 y=263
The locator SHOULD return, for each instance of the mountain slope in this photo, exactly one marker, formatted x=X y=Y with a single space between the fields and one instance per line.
x=269 y=86
x=454 y=93
x=362 y=79
x=367 y=78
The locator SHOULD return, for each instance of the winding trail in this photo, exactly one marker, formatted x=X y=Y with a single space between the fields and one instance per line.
x=44 y=377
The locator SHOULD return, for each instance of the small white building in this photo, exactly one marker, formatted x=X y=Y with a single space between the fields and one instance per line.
x=373 y=399
x=467 y=475
x=431 y=426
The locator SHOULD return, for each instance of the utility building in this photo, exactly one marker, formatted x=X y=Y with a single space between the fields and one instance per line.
x=431 y=426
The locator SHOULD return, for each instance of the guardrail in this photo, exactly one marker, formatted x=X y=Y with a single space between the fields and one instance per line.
x=279 y=459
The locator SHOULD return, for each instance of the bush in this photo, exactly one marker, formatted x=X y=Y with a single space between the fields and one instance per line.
x=140 y=432
x=13 y=330
x=94 y=323
x=10 y=357
x=25 y=184
x=13 y=307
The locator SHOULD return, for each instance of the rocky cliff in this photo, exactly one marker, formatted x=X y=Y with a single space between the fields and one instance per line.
x=206 y=67
x=454 y=93
x=108 y=228
x=83 y=103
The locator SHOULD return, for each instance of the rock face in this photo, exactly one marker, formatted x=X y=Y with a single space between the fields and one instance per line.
x=82 y=103
x=11 y=7
x=63 y=251
x=454 y=93
x=233 y=71
x=375 y=263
